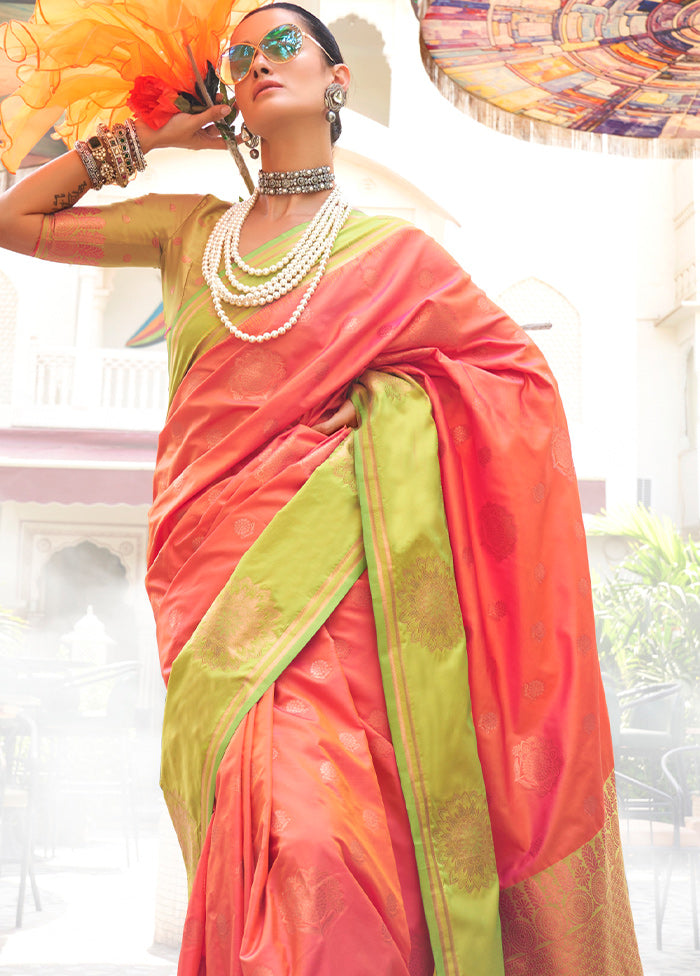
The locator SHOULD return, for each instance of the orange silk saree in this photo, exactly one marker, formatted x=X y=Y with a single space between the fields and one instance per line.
x=385 y=745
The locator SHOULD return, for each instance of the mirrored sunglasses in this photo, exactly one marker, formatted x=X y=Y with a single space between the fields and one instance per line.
x=281 y=44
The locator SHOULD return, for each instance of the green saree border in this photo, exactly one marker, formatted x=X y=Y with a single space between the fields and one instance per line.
x=256 y=625
x=423 y=659
x=293 y=639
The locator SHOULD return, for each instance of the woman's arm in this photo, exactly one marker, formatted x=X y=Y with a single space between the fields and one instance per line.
x=62 y=182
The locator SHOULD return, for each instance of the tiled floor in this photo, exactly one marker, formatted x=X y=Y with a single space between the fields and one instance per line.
x=677 y=957
x=98 y=917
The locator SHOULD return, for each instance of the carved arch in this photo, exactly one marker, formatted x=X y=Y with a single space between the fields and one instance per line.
x=362 y=47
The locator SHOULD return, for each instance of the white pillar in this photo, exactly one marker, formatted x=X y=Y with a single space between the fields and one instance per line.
x=92 y=298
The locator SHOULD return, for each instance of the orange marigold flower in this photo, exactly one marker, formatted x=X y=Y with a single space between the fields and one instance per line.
x=152 y=101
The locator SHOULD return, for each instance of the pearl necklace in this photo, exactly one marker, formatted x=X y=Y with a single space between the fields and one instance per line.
x=314 y=248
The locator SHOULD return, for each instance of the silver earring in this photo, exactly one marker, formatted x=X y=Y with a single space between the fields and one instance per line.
x=334 y=99
x=251 y=141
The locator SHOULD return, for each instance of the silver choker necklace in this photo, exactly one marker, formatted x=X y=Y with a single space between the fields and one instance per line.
x=296 y=181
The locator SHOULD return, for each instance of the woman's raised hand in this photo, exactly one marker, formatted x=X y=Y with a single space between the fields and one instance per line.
x=184 y=131
x=61 y=183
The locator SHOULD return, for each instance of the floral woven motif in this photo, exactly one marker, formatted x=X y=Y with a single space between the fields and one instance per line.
x=343 y=462
x=239 y=630
x=427 y=598
x=462 y=833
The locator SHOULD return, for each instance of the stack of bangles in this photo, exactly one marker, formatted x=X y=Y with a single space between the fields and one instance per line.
x=113 y=155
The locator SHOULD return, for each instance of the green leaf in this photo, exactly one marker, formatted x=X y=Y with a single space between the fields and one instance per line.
x=211 y=81
x=185 y=103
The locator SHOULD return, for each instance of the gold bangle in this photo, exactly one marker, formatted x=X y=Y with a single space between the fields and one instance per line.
x=111 y=144
x=90 y=163
x=101 y=156
x=137 y=151
x=120 y=134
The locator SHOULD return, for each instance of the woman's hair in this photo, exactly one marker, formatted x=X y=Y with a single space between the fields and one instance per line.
x=318 y=30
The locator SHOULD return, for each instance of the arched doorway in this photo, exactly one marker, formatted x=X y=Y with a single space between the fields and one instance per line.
x=87 y=575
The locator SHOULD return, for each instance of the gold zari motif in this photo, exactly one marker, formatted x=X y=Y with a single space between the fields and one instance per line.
x=343 y=462
x=394 y=387
x=310 y=900
x=427 y=599
x=462 y=835
x=239 y=630
x=574 y=917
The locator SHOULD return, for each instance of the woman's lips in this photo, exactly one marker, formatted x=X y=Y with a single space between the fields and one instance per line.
x=264 y=87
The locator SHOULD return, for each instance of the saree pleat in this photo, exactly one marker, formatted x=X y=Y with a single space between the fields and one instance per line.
x=309 y=842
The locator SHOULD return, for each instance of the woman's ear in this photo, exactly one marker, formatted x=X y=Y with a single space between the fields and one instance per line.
x=341 y=75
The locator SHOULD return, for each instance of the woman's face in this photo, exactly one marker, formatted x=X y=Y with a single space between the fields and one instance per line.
x=272 y=94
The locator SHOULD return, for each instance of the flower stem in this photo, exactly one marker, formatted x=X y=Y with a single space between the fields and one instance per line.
x=225 y=130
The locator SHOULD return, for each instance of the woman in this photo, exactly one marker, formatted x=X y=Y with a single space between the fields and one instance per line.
x=385 y=745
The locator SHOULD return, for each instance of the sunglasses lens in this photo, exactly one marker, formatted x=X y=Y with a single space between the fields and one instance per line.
x=235 y=63
x=282 y=43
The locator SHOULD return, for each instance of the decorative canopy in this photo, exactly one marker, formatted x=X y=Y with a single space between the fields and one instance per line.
x=624 y=74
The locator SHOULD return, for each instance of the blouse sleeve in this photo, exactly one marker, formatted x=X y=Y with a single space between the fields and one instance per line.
x=133 y=233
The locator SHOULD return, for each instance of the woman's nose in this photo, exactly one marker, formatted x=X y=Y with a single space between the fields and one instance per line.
x=260 y=64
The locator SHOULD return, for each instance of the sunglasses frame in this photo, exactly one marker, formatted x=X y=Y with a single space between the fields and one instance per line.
x=258 y=47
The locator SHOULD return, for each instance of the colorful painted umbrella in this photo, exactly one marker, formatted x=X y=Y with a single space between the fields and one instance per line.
x=620 y=74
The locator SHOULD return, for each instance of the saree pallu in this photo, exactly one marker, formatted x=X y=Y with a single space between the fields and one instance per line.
x=385 y=745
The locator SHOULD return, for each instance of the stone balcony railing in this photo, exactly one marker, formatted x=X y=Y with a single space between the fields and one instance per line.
x=117 y=389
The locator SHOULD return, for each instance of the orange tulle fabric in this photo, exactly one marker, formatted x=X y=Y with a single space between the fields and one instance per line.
x=83 y=57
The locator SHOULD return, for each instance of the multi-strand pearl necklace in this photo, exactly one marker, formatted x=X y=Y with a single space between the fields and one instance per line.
x=314 y=248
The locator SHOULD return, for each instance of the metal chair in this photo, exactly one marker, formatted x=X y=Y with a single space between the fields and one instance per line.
x=647 y=731
x=652 y=720
x=19 y=766
x=681 y=767
x=645 y=822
